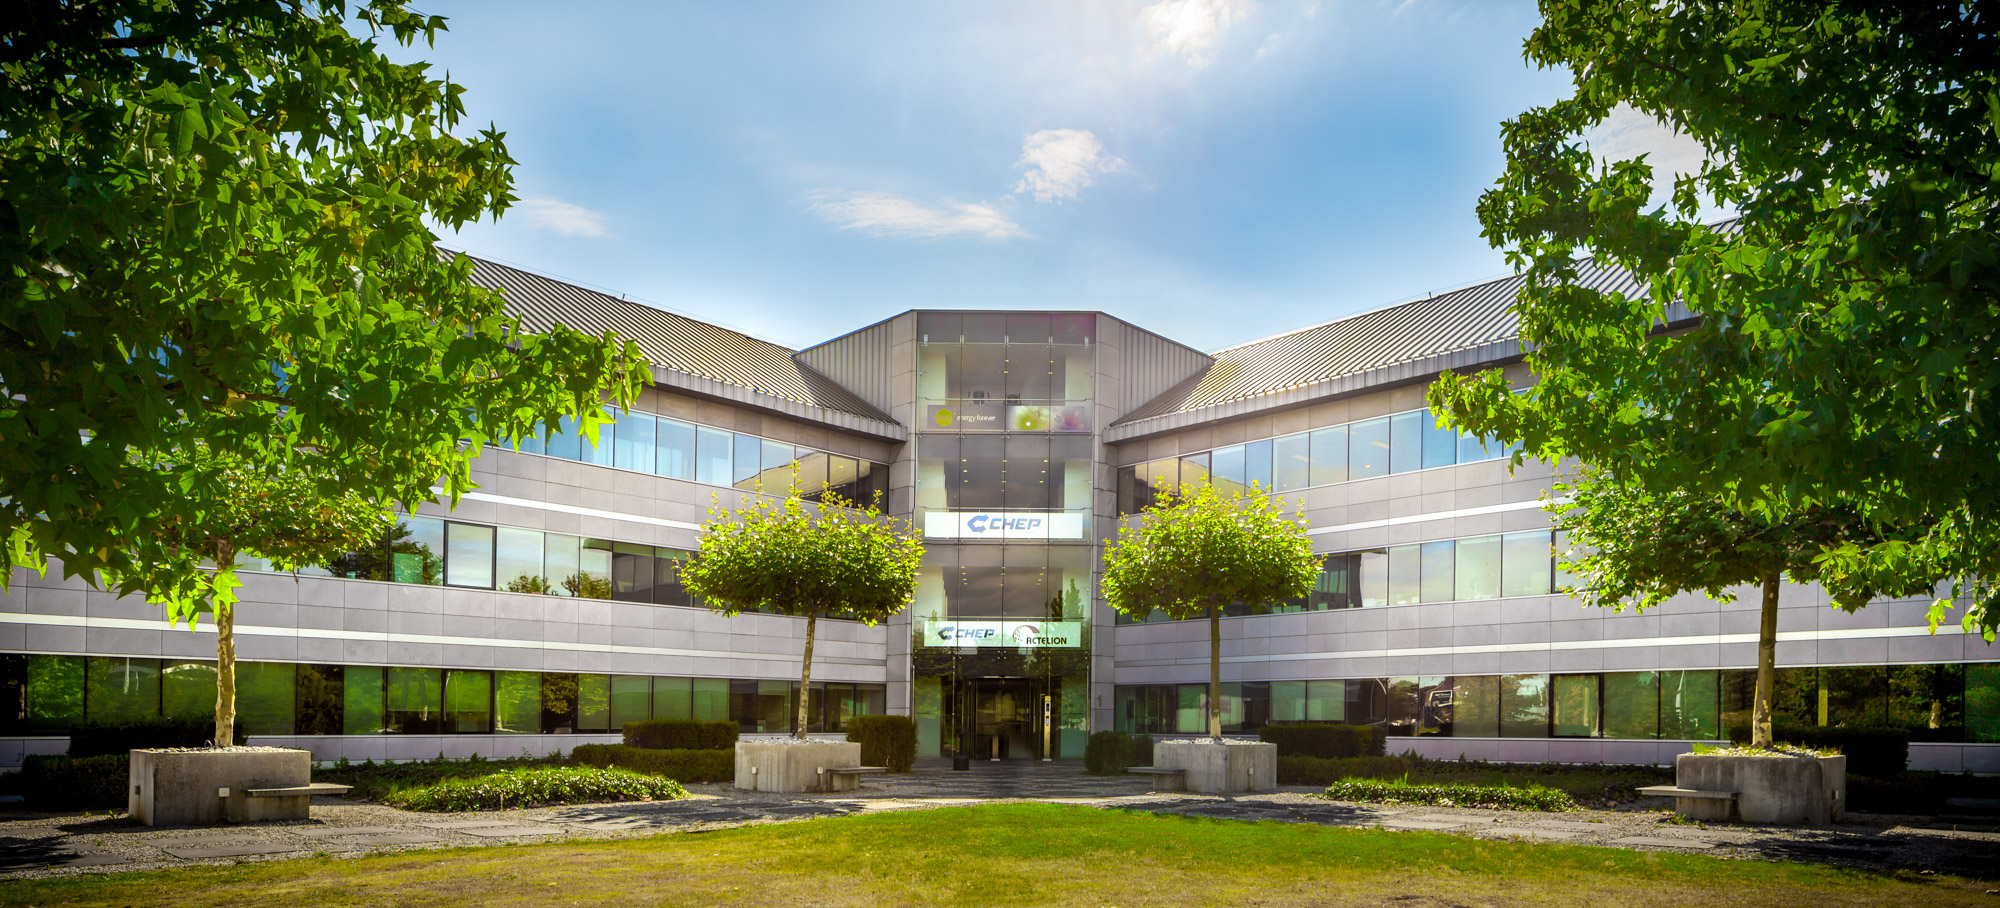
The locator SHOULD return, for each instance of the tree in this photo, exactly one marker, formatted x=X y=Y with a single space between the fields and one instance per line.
x=777 y=556
x=1846 y=334
x=1633 y=546
x=1192 y=553
x=215 y=250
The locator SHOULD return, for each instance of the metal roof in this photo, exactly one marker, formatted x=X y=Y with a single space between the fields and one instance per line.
x=673 y=342
x=1456 y=320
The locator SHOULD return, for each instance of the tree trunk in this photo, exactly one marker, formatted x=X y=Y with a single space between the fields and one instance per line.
x=1215 y=674
x=225 y=661
x=806 y=676
x=1767 y=660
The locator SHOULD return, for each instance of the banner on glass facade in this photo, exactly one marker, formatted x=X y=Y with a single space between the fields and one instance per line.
x=986 y=415
x=1009 y=634
x=1003 y=525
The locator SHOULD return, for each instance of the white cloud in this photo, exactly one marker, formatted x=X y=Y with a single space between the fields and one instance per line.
x=1191 y=28
x=561 y=218
x=1061 y=162
x=888 y=214
x=1628 y=133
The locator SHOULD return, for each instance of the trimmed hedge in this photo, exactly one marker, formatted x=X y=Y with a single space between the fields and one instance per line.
x=681 y=734
x=1879 y=753
x=1328 y=770
x=55 y=782
x=1502 y=797
x=1109 y=753
x=680 y=765
x=1325 y=740
x=885 y=740
x=91 y=739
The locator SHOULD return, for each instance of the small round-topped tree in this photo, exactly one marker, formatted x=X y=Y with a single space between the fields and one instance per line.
x=1189 y=556
x=778 y=556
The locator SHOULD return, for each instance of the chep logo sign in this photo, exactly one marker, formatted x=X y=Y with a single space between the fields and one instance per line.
x=1025 y=634
x=981 y=524
x=1003 y=525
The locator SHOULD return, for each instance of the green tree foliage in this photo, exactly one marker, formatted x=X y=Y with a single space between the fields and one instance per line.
x=216 y=266
x=1847 y=334
x=1632 y=546
x=778 y=556
x=1192 y=553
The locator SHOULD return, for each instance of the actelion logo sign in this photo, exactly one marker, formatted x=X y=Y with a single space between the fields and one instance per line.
x=1012 y=634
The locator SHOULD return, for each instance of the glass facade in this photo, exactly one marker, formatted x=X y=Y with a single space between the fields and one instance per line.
x=1399 y=443
x=46 y=694
x=1948 y=702
x=674 y=448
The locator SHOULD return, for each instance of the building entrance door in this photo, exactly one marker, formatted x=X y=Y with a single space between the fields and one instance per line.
x=1006 y=723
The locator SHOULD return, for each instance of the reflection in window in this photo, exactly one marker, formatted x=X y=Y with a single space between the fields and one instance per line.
x=517 y=703
x=361 y=700
x=1632 y=704
x=518 y=560
x=1524 y=706
x=1478 y=568
x=468 y=701
x=714 y=449
x=633 y=443
x=674 y=452
x=415 y=701
x=468 y=555
x=1575 y=706
x=1368 y=448
x=1406 y=431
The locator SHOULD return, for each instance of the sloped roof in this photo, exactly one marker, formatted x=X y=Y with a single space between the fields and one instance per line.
x=1456 y=320
x=673 y=342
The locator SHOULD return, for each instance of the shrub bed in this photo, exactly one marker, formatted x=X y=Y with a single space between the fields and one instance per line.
x=681 y=734
x=680 y=765
x=1325 y=740
x=55 y=782
x=1502 y=797
x=1109 y=753
x=376 y=781
x=889 y=741
x=534 y=787
x=1326 y=771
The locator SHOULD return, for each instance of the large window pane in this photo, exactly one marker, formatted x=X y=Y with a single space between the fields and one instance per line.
x=667 y=588
x=599 y=453
x=1982 y=701
x=564 y=441
x=1406 y=441
x=319 y=710
x=559 y=703
x=593 y=703
x=632 y=572
x=1326 y=701
x=1194 y=469
x=1688 y=705
x=1473 y=448
x=711 y=699
x=517 y=703
x=1475 y=707
x=1478 y=568
x=1368 y=448
x=593 y=575
x=1575 y=706
x=468 y=555
x=1524 y=706
x=812 y=474
x=1227 y=467
x=1526 y=562
x=1856 y=697
x=1440 y=443
x=713 y=456
x=361 y=700
x=1157 y=479
x=673 y=698
x=415 y=698
x=468 y=701
x=1437 y=571
x=749 y=462
x=1288 y=701
x=1402 y=705
x=1257 y=464
x=674 y=453
x=560 y=554
x=1631 y=705
x=632 y=444
x=1374 y=578
x=1929 y=700
x=266 y=697
x=777 y=458
x=187 y=690
x=631 y=700
x=1405 y=574
x=1291 y=462
x=518 y=560
x=1329 y=456
x=418 y=557
x=122 y=690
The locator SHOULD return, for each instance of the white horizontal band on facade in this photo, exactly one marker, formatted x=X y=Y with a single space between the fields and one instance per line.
x=1864 y=633
x=1435 y=515
x=574 y=509
x=136 y=624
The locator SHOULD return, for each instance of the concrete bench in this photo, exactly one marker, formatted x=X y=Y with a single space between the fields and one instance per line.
x=1163 y=779
x=307 y=790
x=847 y=778
x=1695 y=803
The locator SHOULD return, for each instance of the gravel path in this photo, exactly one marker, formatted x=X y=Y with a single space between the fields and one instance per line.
x=37 y=845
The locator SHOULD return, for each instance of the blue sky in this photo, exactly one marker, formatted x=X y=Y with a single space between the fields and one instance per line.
x=1214 y=170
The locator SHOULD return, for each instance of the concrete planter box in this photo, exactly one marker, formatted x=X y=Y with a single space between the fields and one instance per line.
x=1778 y=790
x=186 y=787
x=1212 y=768
x=796 y=766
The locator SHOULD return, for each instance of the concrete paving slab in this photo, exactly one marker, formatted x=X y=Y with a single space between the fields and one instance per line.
x=510 y=832
x=11 y=863
x=206 y=838
x=1653 y=841
x=466 y=824
x=1553 y=835
x=1421 y=824
x=1568 y=826
x=239 y=850
x=328 y=832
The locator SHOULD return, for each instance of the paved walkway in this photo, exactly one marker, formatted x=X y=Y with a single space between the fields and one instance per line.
x=45 y=845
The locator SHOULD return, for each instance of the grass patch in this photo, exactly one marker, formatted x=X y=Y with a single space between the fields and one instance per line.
x=1502 y=797
x=1029 y=854
x=535 y=786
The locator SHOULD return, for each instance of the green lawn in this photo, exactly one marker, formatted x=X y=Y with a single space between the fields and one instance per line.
x=1013 y=855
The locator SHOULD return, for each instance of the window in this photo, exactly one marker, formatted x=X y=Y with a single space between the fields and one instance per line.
x=1689 y=705
x=1526 y=563
x=633 y=444
x=518 y=560
x=1436 y=571
x=1478 y=568
x=1440 y=444
x=1524 y=706
x=1368 y=448
x=318 y=710
x=1329 y=456
x=565 y=441
x=600 y=452
x=749 y=457
x=674 y=454
x=1405 y=574
x=1476 y=707
x=517 y=703
x=1256 y=464
x=560 y=554
x=631 y=700
x=632 y=572
x=468 y=555
x=415 y=701
x=187 y=690
x=1228 y=468
x=361 y=701
x=593 y=703
x=713 y=455
x=559 y=703
x=468 y=701
x=419 y=557
x=1406 y=441
x=119 y=689
x=1291 y=462
x=1575 y=706
x=1632 y=705
x=673 y=698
